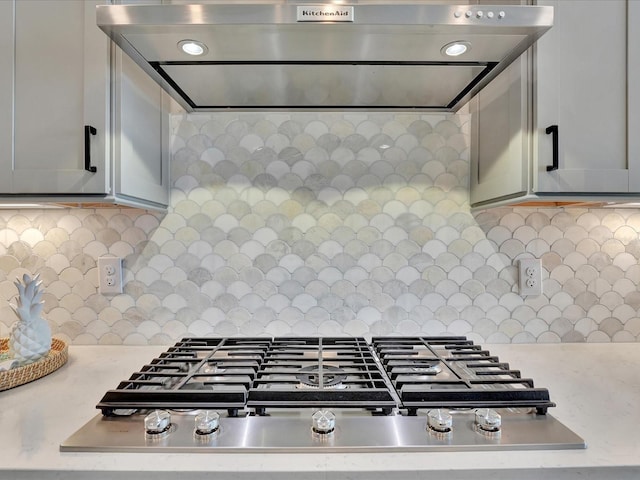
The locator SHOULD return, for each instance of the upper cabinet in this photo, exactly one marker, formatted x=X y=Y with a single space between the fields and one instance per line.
x=6 y=91
x=85 y=124
x=61 y=85
x=558 y=125
x=140 y=122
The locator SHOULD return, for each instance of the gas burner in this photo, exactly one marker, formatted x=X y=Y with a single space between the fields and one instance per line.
x=427 y=368
x=328 y=376
x=364 y=397
x=212 y=368
x=453 y=372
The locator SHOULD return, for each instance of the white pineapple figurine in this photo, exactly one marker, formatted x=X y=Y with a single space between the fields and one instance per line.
x=30 y=338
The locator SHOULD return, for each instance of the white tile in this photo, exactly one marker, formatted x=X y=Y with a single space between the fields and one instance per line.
x=313 y=205
x=633 y=326
x=304 y=302
x=625 y=261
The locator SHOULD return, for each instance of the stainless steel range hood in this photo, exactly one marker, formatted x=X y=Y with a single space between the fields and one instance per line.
x=363 y=54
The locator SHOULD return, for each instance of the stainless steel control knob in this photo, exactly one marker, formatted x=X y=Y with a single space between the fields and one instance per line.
x=488 y=420
x=439 y=421
x=157 y=422
x=323 y=422
x=206 y=422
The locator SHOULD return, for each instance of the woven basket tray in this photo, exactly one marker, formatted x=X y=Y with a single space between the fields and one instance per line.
x=19 y=376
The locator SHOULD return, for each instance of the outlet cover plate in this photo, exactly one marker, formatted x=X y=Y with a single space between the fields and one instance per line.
x=530 y=277
x=110 y=275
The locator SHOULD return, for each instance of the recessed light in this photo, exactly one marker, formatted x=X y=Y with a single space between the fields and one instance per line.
x=192 y=47
x=455 y=49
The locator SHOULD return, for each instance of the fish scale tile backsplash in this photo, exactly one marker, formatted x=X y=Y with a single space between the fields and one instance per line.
x=326 y=224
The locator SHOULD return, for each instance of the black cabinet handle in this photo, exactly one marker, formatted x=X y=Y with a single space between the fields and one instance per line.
x=88 y=131
x=553 y=130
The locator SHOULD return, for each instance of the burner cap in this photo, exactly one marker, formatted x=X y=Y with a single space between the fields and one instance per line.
x=331 y=376
x=432 y=368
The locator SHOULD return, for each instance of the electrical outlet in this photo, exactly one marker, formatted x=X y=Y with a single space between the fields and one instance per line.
x=110 y=275
x=530 y=277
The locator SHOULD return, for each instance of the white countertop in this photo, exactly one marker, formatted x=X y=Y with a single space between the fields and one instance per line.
x=596 y=388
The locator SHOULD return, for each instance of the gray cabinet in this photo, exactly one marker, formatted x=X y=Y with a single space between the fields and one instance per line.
x=6 y=92
x=61 y=85
x=141 y=132
x=500 y=125
x=86 y=126
x=578 y=78
x=633 y=93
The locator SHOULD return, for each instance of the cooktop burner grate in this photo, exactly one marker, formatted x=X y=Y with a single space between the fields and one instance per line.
x=336 y=394
x=407 y=373
x=452 y=372
x=195 y=373
x=320 y=372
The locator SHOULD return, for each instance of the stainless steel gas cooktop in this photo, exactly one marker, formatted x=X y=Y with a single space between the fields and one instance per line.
x=295 y=394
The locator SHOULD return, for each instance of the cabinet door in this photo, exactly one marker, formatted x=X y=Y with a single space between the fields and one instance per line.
x=61 y=85
x=6 y=94
x=141 y=137
x=499 y=140
x=581 y=86
x=633 y=109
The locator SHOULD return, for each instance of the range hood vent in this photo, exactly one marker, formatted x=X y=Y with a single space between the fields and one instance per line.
x=363 y=55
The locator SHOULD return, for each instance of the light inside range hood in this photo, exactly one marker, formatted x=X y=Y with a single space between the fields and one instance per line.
x=265 y=55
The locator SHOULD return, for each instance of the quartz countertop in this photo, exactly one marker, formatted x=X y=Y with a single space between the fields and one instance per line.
x=596 y=388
